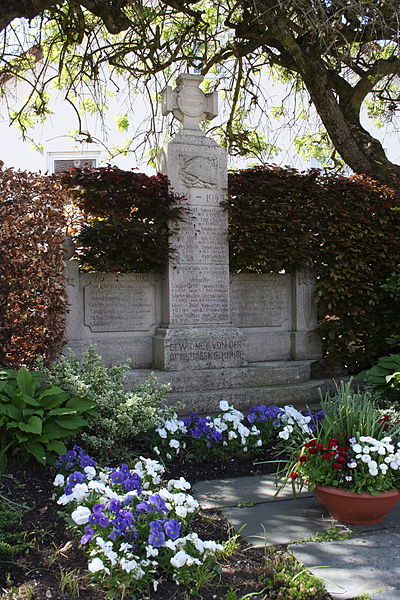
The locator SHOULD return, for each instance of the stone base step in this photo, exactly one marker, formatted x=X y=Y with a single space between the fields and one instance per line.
x=300 y=395
x=257 y=374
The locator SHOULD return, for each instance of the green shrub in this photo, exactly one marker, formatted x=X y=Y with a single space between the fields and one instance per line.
x=34 y=417
x=121 y=415
x=385 y=375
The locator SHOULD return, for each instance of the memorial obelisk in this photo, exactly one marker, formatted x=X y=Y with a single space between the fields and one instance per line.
x=196 y=330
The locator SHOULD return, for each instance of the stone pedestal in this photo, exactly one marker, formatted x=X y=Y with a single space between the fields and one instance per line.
x=196 y=331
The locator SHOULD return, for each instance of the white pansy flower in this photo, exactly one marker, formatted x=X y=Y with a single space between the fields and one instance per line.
x=224 y=406
x=96 y=565
x=90 y=472
x=174 y=444
x=59 y=481
x=179 y=559
x=181 y=511
x=81 y=515
x=80 y=491
x=356 y=448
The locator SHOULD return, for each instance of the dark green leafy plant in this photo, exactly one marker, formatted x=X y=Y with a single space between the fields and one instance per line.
x=385 y=375
x=120 y=414
x=35 y=418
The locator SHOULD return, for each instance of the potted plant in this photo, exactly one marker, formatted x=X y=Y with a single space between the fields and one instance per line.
x=352 y=459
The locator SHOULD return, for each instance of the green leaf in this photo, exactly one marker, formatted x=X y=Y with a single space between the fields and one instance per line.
x=81 y=404
x=33 y=425
x=62 y=411
x=30 y=400
x=25 y=381
x=21 y=437
x=57 y=446
x=37 y=451
x=71 y=422
x=53 y=431
x=10 y=411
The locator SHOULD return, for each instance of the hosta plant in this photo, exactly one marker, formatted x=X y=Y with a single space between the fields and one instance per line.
x=135 y=528
x=385 y=375
x=35 y=418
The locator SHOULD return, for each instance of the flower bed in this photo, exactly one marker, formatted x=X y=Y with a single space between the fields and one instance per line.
x=135 y=527
x=231 y=433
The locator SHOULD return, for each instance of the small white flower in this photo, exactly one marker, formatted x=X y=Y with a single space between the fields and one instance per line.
x=59 y=480
x=96 y=565
x=174 y=444
x=223 y=405
x=162 y=432
x=356 y=448
x=181 y=511
x=81 y=515
x=90 y=472
x=179 y=559
x=366 y=458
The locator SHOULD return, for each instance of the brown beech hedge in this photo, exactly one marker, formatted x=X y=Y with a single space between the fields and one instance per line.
x=344 y=229
x=125 y=218
x=32 y=299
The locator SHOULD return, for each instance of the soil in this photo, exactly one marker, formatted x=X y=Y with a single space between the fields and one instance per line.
x=40 y=573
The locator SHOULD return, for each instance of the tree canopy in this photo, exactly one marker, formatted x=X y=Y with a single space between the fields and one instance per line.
x=343 y=53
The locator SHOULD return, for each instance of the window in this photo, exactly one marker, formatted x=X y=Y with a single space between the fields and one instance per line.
x=58 y=162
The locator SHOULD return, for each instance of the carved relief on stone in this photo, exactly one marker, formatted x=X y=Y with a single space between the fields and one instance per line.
x=198 y=171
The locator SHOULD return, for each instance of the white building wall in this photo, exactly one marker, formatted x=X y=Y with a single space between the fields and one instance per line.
x=56 y=138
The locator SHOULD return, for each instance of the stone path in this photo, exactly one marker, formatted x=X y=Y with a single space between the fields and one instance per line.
x=367 y=561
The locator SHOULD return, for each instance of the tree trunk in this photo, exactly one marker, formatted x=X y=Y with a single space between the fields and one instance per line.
x=362 y=152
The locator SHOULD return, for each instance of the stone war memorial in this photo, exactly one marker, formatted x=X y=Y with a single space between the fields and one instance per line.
x=213 y=335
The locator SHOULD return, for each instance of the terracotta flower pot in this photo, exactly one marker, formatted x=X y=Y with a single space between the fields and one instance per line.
x=356 y=509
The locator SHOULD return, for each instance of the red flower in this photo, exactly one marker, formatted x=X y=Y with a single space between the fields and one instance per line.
x=302 y=458
x=310 y=444
x=338 y=466
x=293 y=475
x=341 y=459
x=342 y=449
x=332 y=453
x=326 y=456
x=313 y=451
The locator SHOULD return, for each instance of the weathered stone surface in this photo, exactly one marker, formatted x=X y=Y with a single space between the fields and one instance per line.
x=119 y=303
x=198 y=348
x=260 y=300
x=220 y=493
x=207 y=401
x=368 y=564
x=255 y=374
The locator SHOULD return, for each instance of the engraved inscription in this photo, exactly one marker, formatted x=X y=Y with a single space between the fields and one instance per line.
x=259 y=300
x=206 y=350
x=198 y=294
x=119 y=306
x=203 y=238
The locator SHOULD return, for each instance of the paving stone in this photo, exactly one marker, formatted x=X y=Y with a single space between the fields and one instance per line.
x=280 y=522
x=368 y=564
x=218 y=493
